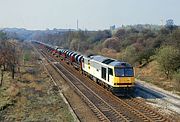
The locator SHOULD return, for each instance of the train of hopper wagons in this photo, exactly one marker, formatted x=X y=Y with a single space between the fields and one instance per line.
x=114 y=75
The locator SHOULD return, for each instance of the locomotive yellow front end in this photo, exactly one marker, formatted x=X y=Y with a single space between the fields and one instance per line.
x=124 y=82
x=123 y=79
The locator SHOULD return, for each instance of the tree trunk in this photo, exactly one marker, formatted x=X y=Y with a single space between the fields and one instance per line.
x=4 y=66
x=13 y=71
x=2 y=74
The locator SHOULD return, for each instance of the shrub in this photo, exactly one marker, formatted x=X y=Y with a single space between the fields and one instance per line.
x=168 y=58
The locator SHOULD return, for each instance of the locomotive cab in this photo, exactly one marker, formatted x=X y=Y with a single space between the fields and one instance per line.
x=124 y=77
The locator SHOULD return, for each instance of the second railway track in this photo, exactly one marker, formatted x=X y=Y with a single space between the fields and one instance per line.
x=106 y=106
x=102 y=109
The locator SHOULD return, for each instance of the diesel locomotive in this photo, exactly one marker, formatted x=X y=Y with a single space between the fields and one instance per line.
x=114 y=75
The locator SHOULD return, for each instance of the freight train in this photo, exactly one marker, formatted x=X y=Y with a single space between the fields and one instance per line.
x=114 y=75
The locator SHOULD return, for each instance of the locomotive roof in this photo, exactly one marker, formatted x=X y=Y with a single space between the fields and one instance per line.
x=110 y=61
x=102 y=59
x=119 y=64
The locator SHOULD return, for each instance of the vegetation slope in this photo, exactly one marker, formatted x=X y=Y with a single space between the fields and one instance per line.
x=154 y=51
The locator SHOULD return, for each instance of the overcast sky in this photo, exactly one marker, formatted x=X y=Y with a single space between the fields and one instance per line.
x=92 y=14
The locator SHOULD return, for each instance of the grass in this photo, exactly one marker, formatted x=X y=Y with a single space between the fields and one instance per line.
x=26 y=57
x=7 y=93
x=31 y=97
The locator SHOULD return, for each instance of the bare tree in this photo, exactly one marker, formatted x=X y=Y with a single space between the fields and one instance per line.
x=13 y=57
x=2 y=60
x=9 y=57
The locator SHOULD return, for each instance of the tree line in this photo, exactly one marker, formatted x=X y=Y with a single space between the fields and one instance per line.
x=9 y=55
x=136 y=45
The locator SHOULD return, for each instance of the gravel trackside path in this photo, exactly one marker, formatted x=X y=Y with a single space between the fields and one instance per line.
x=166 y=101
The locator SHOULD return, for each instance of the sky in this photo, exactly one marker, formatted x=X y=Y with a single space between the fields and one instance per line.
x=91 y=14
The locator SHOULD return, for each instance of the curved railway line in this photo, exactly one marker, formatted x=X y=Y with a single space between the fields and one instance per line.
x=106 y=106
x=104 y=112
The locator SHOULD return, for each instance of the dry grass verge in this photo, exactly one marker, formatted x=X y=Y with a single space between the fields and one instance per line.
x=31 y=96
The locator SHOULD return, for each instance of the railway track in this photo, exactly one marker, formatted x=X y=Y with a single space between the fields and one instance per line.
x=101 y=109
x=56 y=83
x=106 y=106
x=129 y=102
x=137 y=103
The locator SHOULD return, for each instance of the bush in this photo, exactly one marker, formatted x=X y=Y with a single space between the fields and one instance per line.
x=168 y=58
x=145 y=55
x=129 y=55
x=26 y=57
